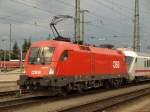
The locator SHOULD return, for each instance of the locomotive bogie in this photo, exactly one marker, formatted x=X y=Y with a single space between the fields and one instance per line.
x=74 y=83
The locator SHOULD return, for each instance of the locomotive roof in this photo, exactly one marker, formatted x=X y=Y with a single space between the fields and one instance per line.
x=77 y=47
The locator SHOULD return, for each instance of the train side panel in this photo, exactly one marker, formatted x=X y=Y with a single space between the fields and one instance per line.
x=142 y=66
x=78 y=63
x=109 y=64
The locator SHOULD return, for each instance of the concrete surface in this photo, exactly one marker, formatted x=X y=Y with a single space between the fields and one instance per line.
x=9 y=77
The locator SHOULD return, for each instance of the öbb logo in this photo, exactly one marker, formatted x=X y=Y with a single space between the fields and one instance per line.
x=35 y=72
x=116 y=64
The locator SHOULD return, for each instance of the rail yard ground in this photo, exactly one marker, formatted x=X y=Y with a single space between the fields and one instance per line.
x=9 y=76
x=141 y=104
x=8 y=81
x=61 y=105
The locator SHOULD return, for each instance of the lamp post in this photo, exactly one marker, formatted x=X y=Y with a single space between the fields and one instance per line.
x=3 y=41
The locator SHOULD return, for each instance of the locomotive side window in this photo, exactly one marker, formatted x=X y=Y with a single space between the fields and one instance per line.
x=64 y=56
x=42 y=55
x=147 y=63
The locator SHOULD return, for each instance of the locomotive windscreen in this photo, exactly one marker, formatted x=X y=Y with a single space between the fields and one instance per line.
x=42 y=55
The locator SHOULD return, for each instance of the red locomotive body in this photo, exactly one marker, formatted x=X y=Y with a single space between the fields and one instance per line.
x=59 y=64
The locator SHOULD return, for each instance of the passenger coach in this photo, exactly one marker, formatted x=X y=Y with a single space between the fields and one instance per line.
x=138 y=65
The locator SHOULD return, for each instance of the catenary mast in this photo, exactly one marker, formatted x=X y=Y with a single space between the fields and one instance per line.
x=136 y=43
x=77 y=21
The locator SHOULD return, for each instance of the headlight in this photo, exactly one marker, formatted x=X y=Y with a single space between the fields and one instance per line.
x=51 y=71
x=24 y=72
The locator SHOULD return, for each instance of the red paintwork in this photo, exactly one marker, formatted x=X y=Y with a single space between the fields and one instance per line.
x=97 y=61
x=10 y=64
x=143 y=71
x=137 y=71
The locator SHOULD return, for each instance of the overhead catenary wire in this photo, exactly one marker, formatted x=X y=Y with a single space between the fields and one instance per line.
x=65 y=3
x=12 y=15
x=100 y=17
x=8 y=17
x=35 y=7
x=22 y=22
x=126 y=8
x=112 y=9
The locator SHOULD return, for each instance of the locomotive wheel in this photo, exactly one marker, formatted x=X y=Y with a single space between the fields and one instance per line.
x=106 y=84
x=23 y=87
x=68 y=88
x=65 y=90
x=116 y=83
x=63 y=93
x=80 y=88
x=124 y=82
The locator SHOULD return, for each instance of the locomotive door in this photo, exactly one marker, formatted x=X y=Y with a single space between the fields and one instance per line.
x=92 y=63
x=77 y=63
x=81 y=62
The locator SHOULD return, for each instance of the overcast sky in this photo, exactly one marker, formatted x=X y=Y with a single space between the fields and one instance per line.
x=110 y=21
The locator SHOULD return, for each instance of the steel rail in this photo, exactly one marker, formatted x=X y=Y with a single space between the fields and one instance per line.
x=101 y=105
x=8 y=93
x=32 y=98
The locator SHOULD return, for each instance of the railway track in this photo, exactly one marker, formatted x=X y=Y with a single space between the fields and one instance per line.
x=8 y=88
x=8 y=93
x=28 y=99
x=101 y=105
x=107 y=100
x=13 y=93
x=8 y=83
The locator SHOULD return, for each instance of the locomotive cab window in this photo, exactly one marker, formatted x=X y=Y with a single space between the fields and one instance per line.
x=64 y=56
x=41 y=55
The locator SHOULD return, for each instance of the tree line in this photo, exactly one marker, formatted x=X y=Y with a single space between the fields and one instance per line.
x=16 y=51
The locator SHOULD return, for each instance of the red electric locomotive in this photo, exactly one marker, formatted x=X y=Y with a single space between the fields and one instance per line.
x=59 y=64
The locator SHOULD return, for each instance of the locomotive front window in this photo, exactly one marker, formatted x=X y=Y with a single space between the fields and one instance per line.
x=42 y=55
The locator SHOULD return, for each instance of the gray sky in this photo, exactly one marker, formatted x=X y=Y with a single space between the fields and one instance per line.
x=111 y=21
